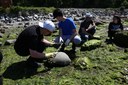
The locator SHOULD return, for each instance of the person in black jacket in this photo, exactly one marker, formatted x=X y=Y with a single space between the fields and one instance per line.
x=31 y=42
x=87 y=28
x=114 y=27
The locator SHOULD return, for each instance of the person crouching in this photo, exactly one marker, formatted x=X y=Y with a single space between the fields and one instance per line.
x=31 y=42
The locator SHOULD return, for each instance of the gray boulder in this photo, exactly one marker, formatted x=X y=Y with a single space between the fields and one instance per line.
x=61 y=59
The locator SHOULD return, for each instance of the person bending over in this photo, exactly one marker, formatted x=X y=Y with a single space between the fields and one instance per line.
x=31 y=42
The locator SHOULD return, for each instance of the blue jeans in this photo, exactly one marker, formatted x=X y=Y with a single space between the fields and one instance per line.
x=85 y=36
x=76 y=40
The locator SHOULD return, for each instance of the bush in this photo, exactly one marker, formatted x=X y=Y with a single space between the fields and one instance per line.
x=16 y=9
x=121 y=39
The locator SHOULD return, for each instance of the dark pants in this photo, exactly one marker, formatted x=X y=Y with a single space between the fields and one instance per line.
x=40 y=48
x=91 y=31
x=111 y=34
x=84 y=37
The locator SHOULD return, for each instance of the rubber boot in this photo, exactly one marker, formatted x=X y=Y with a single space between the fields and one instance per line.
x=62 y=48
x=73 y=48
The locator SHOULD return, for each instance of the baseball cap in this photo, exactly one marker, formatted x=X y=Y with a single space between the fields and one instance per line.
x=57 y=12
x=88 y=15
x=49 y=25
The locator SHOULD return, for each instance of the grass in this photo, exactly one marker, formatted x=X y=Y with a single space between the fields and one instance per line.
x=110 y=64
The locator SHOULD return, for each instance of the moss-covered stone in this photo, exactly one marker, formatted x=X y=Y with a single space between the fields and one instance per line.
x=91 y=44
x=121 y=39
x=82 y=63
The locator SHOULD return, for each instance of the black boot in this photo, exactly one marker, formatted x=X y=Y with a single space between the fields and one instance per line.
x=33 y=62
x=62 y=48
x=73 y=48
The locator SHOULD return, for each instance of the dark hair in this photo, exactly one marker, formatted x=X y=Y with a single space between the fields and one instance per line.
x=57 y=12
x=118 y=18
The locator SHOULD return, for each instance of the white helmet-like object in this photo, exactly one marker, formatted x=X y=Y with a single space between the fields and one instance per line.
x=49 y=25
x=88 y=15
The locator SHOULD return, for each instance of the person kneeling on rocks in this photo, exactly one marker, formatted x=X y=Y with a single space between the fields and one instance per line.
x=87 y=28
x=67 y=31
x=31 y=42
x=114 y=27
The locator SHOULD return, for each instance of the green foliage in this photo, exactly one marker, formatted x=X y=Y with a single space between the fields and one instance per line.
x=71 y=3
x=16 y=9
x=82 y=63
x=1 y=39
x=106 y=65
x=91 y=44
x=125 y=3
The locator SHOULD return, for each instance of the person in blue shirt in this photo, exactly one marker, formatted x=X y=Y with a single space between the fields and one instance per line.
x=67 y=31
x=114 y=27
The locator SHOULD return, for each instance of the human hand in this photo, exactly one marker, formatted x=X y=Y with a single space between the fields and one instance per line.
x=50 y=55
x=87 y=30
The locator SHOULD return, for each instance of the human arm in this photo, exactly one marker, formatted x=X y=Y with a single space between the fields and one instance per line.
x=48 y=43
x=83 y=30
x=35 y=54
x=39 y=55
x=91 y=26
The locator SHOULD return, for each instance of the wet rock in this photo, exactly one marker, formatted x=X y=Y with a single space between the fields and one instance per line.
x=126 y=29
x=98 y=23
x=61 y=59
x=76 y=19
x=2 y=30
x=5 y=27
x=20 y=23
x=10 y=42
x=26 y=24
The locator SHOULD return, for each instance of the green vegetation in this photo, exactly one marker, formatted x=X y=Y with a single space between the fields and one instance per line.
x=72 y=3
x=104 y=65
x=91 y=44
x=16 y=9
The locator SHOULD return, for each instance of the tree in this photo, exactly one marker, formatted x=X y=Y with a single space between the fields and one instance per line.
x=72 y=3
x=125 y=3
